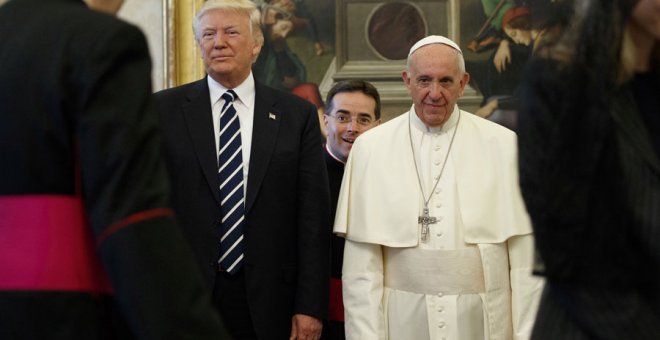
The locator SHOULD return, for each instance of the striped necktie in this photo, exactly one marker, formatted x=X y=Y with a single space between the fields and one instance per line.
x=230 y=175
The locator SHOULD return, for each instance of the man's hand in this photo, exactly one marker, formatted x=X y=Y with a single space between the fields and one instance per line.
x=304 y=327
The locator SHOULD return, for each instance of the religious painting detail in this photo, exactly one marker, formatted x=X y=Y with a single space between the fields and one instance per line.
x=393 y=28
x=294 y=49
x=497 y=53
x=310 y=44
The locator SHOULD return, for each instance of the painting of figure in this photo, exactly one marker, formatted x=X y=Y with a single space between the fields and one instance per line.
x=497 y=54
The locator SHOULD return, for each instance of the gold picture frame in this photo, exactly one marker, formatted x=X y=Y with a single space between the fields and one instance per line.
x=182 y=62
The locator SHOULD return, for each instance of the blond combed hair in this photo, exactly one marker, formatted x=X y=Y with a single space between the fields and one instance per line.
x=244 y=7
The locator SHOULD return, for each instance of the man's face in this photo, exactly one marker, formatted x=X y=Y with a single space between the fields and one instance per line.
x=227 y=46
x=352 y=114
x=435 y=83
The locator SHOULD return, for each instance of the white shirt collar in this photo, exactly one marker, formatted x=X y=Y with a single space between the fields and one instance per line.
x=244 y=91
x=327 y=148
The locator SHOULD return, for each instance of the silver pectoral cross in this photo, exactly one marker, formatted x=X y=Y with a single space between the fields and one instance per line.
x=425 y=220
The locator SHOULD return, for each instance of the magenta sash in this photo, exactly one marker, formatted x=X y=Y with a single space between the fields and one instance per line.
x=46 y=245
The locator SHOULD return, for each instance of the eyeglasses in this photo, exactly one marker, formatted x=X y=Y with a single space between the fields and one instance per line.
x=346 y=119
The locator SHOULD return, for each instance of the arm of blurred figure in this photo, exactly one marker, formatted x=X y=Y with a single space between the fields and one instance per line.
x=547 y=151
x=149 y=263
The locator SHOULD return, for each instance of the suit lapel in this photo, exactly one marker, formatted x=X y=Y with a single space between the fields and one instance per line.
x=626 y=116
x=264 y=136
x=199 y=120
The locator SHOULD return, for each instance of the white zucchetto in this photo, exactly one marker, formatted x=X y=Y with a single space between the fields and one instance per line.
x=434 y=39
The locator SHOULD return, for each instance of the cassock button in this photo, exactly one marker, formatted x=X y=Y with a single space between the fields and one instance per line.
x=441 y=325
x=440 y=294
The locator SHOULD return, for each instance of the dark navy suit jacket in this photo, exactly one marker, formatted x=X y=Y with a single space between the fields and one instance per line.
x=286 y=234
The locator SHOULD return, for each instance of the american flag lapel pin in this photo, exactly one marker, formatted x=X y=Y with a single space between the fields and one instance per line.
x=272 y=116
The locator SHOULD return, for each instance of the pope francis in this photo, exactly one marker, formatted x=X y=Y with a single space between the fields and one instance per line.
x=438 y=242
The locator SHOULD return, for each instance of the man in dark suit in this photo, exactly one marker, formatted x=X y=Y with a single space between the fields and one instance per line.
x=89 y=248
x=267 y=254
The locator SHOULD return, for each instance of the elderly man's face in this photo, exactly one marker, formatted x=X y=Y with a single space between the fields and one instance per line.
x=435 y=83
x=227 y=45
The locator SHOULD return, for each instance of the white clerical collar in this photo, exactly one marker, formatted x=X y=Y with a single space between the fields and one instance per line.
x=327 y=148
x=448 y=125
x=244 y=91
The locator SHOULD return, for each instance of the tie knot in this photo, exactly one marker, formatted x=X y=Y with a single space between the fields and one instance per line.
x=229 y=96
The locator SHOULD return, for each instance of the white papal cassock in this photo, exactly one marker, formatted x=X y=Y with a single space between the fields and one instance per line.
x=471 y=278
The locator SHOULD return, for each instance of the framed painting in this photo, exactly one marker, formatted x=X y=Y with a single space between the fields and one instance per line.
x=318 y=42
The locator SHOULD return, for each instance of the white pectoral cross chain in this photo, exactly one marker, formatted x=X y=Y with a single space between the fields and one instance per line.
x=425 y=220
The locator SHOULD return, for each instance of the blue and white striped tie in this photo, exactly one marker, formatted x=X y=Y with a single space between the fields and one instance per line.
x=230 y=175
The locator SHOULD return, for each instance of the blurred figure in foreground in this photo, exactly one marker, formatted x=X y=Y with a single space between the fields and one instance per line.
x=89 y=248
x=590 y=172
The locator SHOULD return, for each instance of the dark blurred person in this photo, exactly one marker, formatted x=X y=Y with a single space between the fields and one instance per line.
x=589 y=138
x=89 y=248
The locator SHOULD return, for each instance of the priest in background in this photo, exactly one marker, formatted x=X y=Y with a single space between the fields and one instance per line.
x=352 y=107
